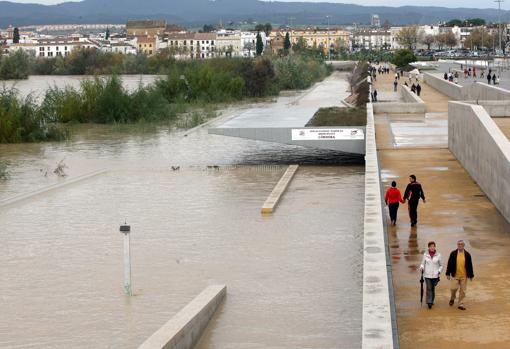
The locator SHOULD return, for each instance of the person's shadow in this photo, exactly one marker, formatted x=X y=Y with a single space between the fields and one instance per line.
x=412 y=255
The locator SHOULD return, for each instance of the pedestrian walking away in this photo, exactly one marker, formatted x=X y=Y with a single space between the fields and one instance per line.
x=375 y=95
x=494 y=79
x=413 y=194
x=418 y=89
x=445 y=76
x=413 y=88
x=458 y=271
x=489 y=78
x=393 y=198
x=395 y=84
x=431 y=266
x=474 y=72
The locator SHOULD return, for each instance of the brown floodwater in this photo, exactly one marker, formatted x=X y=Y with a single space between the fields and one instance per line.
x=294 y=279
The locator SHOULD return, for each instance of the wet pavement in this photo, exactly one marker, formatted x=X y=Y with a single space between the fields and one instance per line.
x=294 y=279
x=456 y=208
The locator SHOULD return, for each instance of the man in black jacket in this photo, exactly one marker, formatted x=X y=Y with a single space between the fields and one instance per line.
x=459 y=269
x=413 y=193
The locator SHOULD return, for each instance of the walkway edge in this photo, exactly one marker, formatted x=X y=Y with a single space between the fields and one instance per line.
x=21 y=197
x=377 y=331
x=184 y=330
x=278 y=191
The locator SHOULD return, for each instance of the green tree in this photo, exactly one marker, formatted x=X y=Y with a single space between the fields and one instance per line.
x=286 y=43
x=403 y=58
x=260 y=45
x=15 y=66
x=15 y=37
x=268 y=28
x=207 y=28
x=408 y=36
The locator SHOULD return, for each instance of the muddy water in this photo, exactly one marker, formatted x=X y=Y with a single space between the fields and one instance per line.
x=294 y=279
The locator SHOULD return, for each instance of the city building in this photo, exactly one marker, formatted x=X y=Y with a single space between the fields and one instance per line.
x=54 y=47
x=228 y=43
x=148 y=27
x=313 y=37
x=375 y=21
x=192 y=45
x=371 y=39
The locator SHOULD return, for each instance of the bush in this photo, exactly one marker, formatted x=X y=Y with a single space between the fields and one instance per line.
x=403 y=58
x=14 y=66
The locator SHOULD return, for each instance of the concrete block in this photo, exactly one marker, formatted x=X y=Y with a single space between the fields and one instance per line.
x=184 y=330
x=278 y=191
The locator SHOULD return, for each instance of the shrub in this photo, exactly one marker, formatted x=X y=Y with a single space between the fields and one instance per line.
x=403 y=57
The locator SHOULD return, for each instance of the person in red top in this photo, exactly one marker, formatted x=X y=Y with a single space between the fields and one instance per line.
x=393 y=199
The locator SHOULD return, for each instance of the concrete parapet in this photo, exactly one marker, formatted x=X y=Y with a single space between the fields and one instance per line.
x=446 y=87
x=400 y=108
x=377 y=326
x=280 y=188
x=184 y=330
x=409 y=97
x=483 y=150
x=496 y=109
x=22 y=197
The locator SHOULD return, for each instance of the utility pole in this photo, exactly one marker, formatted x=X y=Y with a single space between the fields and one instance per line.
x=499 y=2
x=128 y=288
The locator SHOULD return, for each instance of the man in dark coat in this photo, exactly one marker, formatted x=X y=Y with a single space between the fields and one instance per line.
x=459 y=269
x=413 y=194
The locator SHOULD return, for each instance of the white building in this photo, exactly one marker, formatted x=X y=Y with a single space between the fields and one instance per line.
x=54 y=47
x=229 y=43
x=192 y=45
x=249 y=43
x=371 y=39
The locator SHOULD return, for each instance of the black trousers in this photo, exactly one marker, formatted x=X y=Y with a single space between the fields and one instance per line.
x=431 y=289
x=413 y=211
x=393 y=211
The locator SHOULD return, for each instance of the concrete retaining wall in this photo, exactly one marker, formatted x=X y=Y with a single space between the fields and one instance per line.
x=496 y=109
x=377 y=327
x=184 y=330
x=446 y=87
x=483 y=150
x=483 y=91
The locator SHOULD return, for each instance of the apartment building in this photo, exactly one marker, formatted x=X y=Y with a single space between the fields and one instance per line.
x=370 y=39
x=314 y=37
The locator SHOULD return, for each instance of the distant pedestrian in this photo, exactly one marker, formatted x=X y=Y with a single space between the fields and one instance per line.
x=413 y=88
x=497 y=80
x=458 y=270
x=474 y=72
x=413 y=194
x=418 y=89
x=393 y=198
x=375 y=96
x=465 y=73
x=395 y=84
x=489 y=78
x=431 y=267
x=494 y=78
x=469 y=72
x=456 y=75
x=405 y=84
x=445 y=76
x=482 y=75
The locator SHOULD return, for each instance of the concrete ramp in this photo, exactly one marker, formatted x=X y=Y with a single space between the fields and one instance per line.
x=284 y=121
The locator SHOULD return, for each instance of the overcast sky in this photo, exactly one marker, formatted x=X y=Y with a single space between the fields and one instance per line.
x=446 y=3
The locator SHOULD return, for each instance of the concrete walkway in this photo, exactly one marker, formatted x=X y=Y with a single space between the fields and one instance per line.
x=456 y=208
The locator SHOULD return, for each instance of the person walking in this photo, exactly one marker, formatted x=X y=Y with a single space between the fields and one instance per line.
x=458 y=270
x=489 y=78
x=431 y=267
x=474 y=72
x=395 y=84
x=445 y=76
x=413 y=194
x=494 y=79
x=418 y=89
x=375 y=96
x=393 y=198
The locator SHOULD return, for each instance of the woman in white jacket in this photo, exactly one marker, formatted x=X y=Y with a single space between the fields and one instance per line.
x=431 y=267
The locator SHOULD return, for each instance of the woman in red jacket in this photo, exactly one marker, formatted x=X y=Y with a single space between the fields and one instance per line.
x=393 y=198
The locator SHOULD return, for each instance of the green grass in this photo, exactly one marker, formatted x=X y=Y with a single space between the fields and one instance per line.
x=336 y=116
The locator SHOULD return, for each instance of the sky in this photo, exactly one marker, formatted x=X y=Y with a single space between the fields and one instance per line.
x=444 y=3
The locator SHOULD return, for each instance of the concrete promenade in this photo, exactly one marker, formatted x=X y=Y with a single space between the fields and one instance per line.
x=456 y=208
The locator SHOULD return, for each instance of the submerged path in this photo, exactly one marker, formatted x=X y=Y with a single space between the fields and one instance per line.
x=456 y=208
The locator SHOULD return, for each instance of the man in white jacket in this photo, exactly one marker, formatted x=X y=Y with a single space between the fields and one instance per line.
x=431 y=267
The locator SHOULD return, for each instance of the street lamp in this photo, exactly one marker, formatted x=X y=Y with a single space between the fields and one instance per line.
x=329 y=45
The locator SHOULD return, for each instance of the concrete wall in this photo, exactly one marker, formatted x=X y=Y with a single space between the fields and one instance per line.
x=483 y=150
x=377 y=327
x=408 y=96
x=184 y=330
x=496 y=109
x=412 y=104
x=474 y=91
x=447 y=88
x=483 y=91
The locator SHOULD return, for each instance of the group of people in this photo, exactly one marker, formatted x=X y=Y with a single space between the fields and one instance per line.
x=413 y=194
x=415 y=88
x=468 y=72
x=452 y=77
x=458 y=270
x=460 y=266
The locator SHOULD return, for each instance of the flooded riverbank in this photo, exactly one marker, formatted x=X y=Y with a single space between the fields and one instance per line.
x=294 y=279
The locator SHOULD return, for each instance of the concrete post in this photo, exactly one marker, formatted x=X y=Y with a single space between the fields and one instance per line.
x=125 y=230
